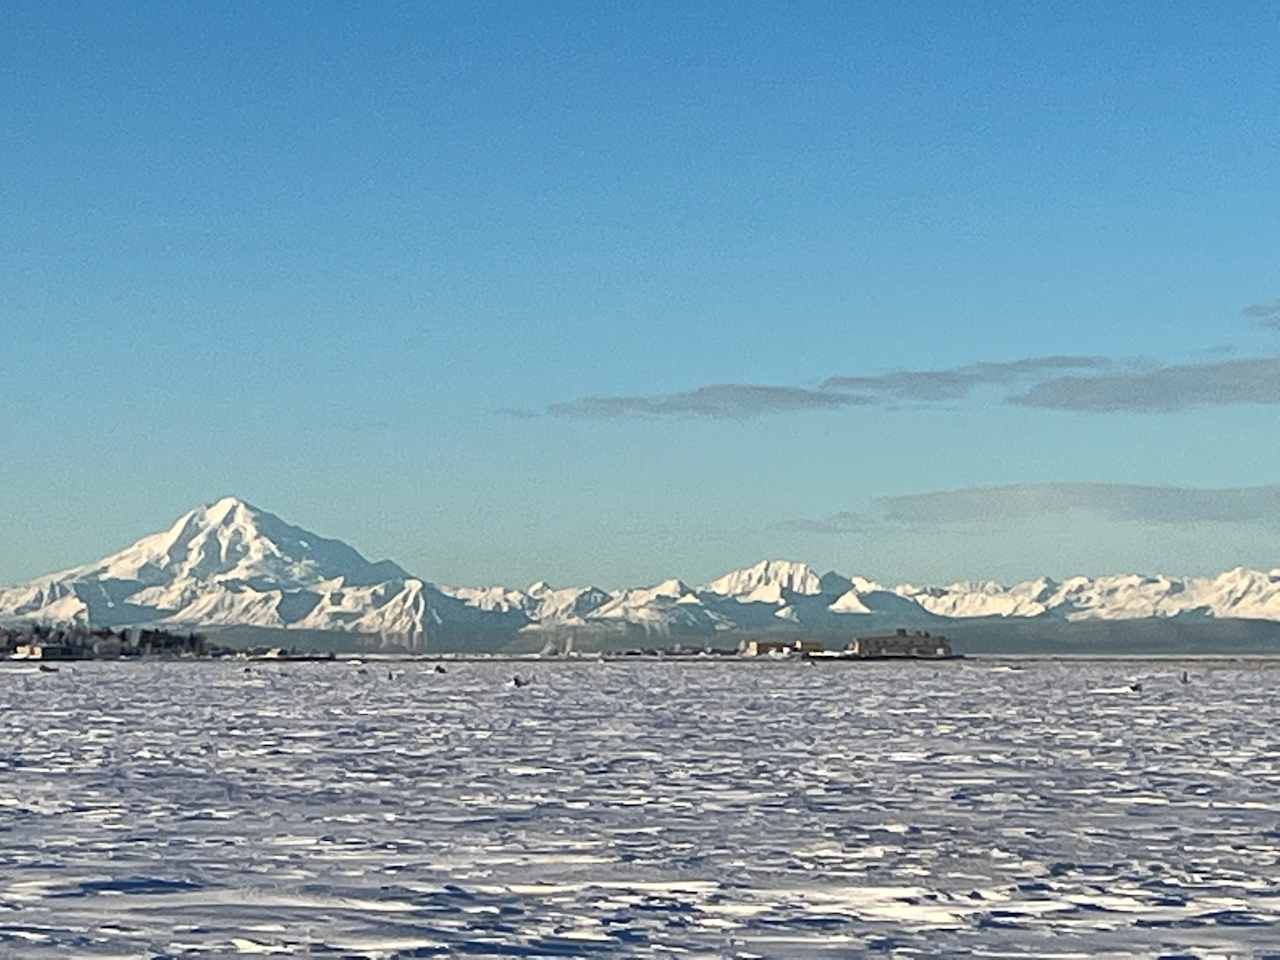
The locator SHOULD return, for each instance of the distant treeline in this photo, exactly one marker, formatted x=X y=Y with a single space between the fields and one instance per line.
x=1179 y=635
x=78 y=642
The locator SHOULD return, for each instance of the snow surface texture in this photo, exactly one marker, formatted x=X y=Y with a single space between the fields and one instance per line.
x=704 y=810
x=232 y=564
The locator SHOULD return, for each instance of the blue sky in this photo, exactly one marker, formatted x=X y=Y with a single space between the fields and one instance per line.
x=496 y=289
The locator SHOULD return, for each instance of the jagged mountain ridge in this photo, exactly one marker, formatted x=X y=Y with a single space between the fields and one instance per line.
x=231 y=564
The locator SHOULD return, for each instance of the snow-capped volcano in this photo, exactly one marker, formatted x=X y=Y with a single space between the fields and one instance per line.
x=225 y=563
x=232 y=564
x=234 y=541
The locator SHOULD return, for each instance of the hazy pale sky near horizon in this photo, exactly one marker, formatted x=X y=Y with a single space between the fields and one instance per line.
x=593 y=291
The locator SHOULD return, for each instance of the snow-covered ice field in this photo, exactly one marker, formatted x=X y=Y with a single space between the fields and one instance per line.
x=640 y=809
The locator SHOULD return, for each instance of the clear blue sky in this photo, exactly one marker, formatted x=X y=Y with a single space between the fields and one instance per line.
x=447 y=280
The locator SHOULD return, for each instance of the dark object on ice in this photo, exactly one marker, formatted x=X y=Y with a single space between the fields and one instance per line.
x=440 y=668
x=516 y=681
x=247 y=670
x=45 y=668
x=1135 y=687
x=1186 y=677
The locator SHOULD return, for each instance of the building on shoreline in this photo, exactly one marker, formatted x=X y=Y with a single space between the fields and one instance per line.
x=75 y=642
x=40 y=651
x=780 y=648
x=920 y=644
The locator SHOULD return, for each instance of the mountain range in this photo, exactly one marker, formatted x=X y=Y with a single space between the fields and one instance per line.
x=230 y=565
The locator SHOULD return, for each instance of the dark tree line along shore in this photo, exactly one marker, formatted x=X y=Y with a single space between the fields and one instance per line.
x=47 y=642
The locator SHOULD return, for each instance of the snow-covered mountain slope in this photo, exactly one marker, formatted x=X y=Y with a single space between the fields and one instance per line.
x=982 y=598
x=1238 y=593
x=232 y=564
x=767 y=578
x=226 y=564
x=231 y=540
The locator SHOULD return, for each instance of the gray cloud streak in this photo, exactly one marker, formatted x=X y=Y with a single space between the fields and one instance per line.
x=1162 y=390
x=1094 y=385
x=719 y=401
x=837 y=523
x=1110 y=501
x=959 y=382
x=742 y=400
x=1265 y=314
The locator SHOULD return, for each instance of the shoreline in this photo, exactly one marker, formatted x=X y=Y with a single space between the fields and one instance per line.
x=979 y=659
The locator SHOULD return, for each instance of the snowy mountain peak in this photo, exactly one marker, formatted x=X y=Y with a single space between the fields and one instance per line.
x=674 y=588
x=776 y=576
x=220 y=511
x=231 y=539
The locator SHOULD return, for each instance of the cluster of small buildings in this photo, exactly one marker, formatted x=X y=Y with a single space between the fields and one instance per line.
x=918 y=645
x=40 y=642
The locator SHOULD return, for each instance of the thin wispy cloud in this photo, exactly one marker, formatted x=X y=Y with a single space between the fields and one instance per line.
x=1264 y=314
x=744 y=400
x=719 y=401
x=1020 y=503
x=518 y=412
x=1115 y=502
x=1164 y=389
x=1081 y=383
x=959 y=382
x=837 y=523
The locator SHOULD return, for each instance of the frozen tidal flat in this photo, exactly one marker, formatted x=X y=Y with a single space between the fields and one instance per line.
x=640 y=809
